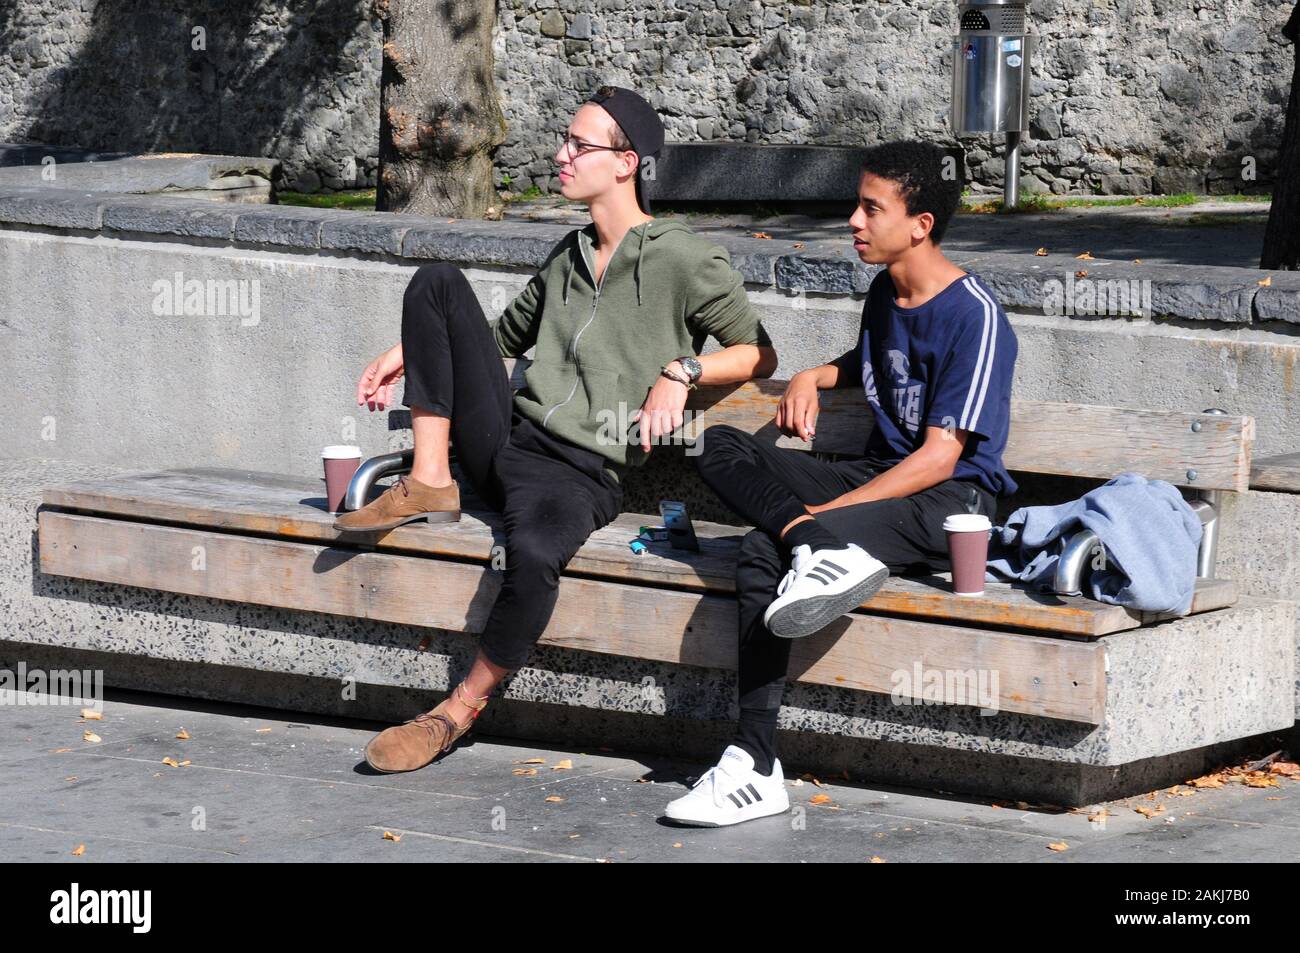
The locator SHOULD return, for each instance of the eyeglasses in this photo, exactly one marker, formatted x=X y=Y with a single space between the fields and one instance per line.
x=577 y=147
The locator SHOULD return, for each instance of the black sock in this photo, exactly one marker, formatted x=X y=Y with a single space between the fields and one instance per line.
x=812 y=534
x=757 y=735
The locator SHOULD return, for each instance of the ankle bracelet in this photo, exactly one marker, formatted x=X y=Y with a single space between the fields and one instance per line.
x=465 y=698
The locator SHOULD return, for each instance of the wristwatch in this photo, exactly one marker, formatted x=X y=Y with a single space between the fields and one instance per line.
x=692 y=367
x=664 y=372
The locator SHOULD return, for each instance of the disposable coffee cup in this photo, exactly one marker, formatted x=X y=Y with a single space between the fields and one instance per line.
x=341 y=463
x=968 y=548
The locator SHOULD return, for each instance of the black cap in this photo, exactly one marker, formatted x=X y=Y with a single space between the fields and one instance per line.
x=639 y=122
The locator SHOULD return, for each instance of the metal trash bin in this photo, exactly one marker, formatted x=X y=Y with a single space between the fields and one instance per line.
x=990 y=76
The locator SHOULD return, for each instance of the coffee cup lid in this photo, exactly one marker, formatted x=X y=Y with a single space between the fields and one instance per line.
x=340 y=452
x=966 y=523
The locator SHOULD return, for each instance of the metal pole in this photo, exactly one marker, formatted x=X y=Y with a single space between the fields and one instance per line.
x=1011 y=185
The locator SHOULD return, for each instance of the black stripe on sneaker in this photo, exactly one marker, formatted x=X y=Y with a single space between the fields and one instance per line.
x=741 y=792
x=827 y=562
x=735 y=800
x=757 y=796
x=825 y=578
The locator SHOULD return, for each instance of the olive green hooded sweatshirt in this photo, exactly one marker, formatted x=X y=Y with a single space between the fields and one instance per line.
x=599 y=350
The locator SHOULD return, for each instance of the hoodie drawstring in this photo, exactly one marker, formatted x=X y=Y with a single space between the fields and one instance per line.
x=636 y=272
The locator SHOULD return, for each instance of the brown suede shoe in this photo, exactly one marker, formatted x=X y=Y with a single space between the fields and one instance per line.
x=415 y=743
x=406 y=500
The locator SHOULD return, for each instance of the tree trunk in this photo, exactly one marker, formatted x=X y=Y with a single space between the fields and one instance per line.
x=439 y=118
x=1282 y=237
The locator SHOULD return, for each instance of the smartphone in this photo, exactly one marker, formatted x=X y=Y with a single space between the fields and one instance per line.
x=681 y=534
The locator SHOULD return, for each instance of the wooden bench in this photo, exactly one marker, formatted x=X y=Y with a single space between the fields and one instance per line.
x=266 y=539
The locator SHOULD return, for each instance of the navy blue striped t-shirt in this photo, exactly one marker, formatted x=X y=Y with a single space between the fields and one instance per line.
x=948 y=363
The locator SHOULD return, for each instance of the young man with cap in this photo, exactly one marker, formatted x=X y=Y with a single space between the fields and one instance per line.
x=935 y=356
x=616 y=318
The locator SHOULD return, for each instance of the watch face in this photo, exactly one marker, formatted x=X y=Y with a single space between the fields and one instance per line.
x=692 y=368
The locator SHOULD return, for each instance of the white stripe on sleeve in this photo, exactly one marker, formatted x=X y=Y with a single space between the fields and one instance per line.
x=965 y=424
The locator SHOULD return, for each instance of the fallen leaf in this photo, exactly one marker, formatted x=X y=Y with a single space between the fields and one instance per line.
x=1265 y=282
x=71 y=777
x=78 y=850
x=185 y=764
x=820 y=799
x=878 y=860
x=91 y=715
x=524 y=772
x=1261 y=781
x=1058 y=845
x=1086 y=256
x=565 y=765
x=761 y=235
x=183 y=735
x=389 y=835
x=1137 y=261
x=678 y=844
x=531 y=761
x=555 y=799
x=91 y=737
x=1288 y=769
x=61 y=750
x=1041 y=253
x=797 y=245
x=262 y=731
x=171 y=761
x=1150 y=811
x=1081 y=274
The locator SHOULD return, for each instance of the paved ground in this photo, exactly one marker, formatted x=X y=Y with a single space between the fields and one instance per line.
x=1207 y=233
x=263 y=785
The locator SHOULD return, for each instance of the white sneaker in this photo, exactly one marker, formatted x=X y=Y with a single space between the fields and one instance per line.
x=823 y=586
x=730 y=792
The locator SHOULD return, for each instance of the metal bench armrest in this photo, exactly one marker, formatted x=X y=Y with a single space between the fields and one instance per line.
x=372 y=470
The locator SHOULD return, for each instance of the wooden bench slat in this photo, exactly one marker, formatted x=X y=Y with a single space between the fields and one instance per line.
x=291 y=507
x=1044 y=677
x=1280 y=473
x=1046 y=437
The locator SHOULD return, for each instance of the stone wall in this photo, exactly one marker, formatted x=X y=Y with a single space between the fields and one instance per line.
x=1131 y=96
x=296 y=80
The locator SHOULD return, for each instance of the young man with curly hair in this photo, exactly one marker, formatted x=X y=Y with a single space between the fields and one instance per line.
x=935 y=355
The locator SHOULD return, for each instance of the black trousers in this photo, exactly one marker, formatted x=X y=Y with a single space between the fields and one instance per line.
x=768 y=486
x=552 y=493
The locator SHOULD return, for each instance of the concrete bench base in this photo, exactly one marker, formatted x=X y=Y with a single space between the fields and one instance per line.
x=1180 y=695
x=661 y=711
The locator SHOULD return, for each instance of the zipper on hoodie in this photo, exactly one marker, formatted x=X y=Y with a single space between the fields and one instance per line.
x=573 y=342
